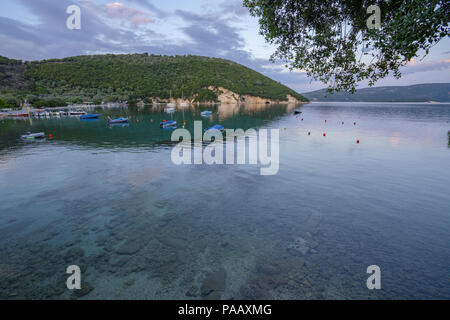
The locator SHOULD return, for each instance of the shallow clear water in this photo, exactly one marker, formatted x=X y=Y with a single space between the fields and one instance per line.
x=110 y=200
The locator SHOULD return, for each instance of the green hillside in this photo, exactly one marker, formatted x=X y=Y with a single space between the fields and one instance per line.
x=416 y=93
x=131 y=78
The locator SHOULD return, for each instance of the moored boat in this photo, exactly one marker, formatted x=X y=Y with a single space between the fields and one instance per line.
x=18 y=115
x=215 y=127
x=118 y=120
x=89 y=116
x=168 y=123
x=170 y=109
x=32 y=136
x=206 y=113
x=77 y=113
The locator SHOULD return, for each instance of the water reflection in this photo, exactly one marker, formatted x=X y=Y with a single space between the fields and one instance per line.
x=143 y=129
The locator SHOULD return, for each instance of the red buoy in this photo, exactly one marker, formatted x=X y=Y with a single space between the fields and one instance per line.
x=302 y=119
x=357 y=141
x=50 y=136
x=354 y=123
x=309 y=133
x=325 y=121
x=342 y=122
x=324 y=134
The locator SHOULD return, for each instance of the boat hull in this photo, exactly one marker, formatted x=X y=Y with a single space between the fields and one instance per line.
x=89 y=116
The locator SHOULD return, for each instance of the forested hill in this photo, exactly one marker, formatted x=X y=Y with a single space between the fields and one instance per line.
x=439 y=92
x=132 y=77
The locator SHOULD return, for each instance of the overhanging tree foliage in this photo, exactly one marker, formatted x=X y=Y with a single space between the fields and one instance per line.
x=331 y=42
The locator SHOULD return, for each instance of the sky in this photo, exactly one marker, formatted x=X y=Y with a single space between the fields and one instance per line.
x=36 y=29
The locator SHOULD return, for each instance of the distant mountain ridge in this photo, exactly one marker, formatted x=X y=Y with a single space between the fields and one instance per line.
x=438 y=92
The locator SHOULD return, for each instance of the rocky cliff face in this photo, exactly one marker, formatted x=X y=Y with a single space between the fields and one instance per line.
x=229 y=97
x=226 y=96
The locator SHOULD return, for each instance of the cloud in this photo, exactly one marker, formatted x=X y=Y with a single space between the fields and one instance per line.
x=118 y=10
x=234 y=7
x=149 y=6
x=126 y=26
x=209 y=32
x=414 y=67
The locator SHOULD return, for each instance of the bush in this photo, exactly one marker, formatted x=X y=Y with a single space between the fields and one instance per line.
x=3 y=104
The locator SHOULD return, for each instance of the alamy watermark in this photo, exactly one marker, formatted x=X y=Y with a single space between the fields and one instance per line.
x=374 y=21
x=256 y=151
x=74 y=20
x=374 y=281
x=74 y=280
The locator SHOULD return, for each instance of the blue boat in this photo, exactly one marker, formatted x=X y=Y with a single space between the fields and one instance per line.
x=216 y=127
x=118 y=120
x=168 y=124
x=89 y=116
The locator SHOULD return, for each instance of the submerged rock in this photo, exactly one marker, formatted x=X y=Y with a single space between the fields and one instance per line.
x=86 y=287
x=192 y=292
x=214 y=285
x=301 y=246
x=129 y=282
x=129 y=247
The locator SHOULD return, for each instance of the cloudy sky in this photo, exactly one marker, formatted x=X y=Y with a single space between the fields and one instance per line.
x=36 y=29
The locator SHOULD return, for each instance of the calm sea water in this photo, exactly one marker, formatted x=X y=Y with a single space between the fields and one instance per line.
x=110 y=200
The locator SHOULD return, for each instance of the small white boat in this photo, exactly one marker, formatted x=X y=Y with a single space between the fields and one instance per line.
x=32 y=136
x=77 y=113
x=44 y=114
x=170 y=109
